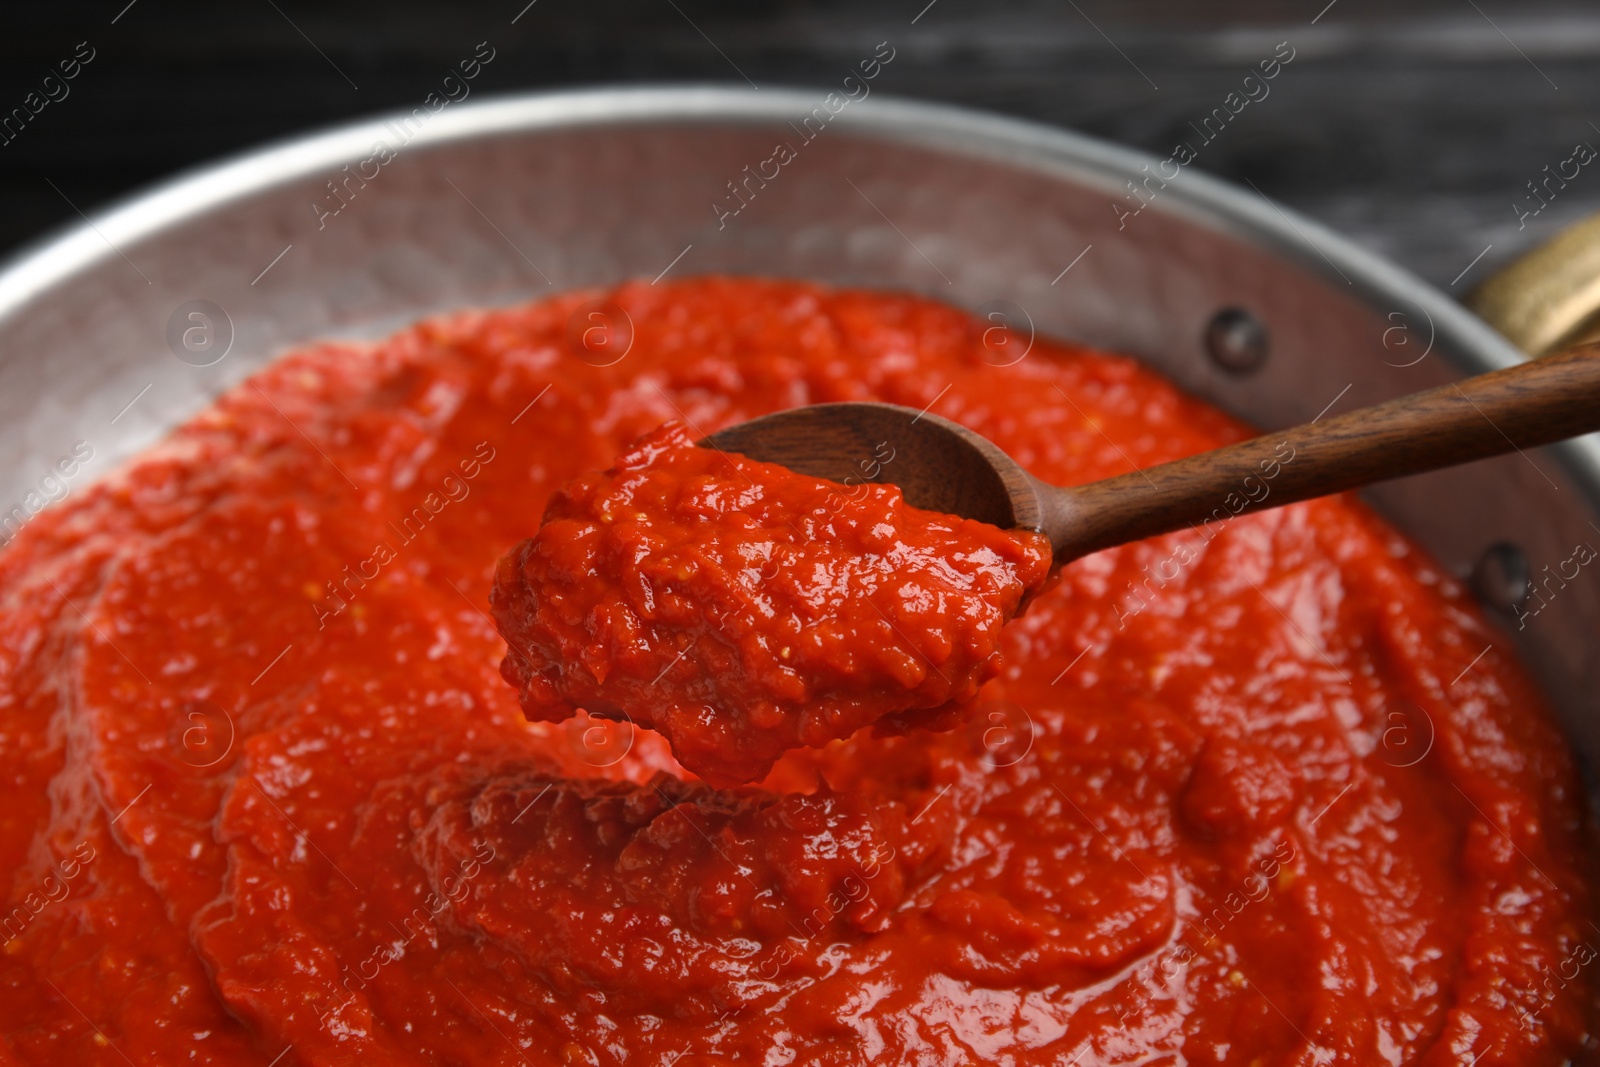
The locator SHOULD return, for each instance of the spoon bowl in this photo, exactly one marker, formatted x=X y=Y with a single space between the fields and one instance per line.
x=939 y=465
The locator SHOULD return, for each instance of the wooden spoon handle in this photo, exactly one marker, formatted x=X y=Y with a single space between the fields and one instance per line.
x=1520 y=407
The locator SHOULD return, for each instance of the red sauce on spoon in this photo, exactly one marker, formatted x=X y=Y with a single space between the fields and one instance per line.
x=742 y=609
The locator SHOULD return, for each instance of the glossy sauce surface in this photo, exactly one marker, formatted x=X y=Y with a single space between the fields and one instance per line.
x=742 y=610
x=1267 y=793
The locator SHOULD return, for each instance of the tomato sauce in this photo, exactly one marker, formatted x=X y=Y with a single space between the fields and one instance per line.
x=741 y=609
x=1267 y=792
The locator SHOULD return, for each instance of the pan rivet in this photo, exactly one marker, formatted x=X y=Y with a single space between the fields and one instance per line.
x=1236 y=341
x=1502 y=578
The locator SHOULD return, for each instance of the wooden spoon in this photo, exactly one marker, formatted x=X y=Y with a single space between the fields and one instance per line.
x=942 y=466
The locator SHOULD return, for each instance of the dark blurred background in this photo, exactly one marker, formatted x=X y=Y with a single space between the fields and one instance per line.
x=1414 y=127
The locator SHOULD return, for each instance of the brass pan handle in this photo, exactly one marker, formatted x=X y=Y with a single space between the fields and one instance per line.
x=1549 y=299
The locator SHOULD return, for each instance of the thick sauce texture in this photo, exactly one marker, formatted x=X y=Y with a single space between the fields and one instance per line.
x=741 y=610
x=1268 y=792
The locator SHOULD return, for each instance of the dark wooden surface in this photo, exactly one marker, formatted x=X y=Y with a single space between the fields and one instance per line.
x=1412 y=126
